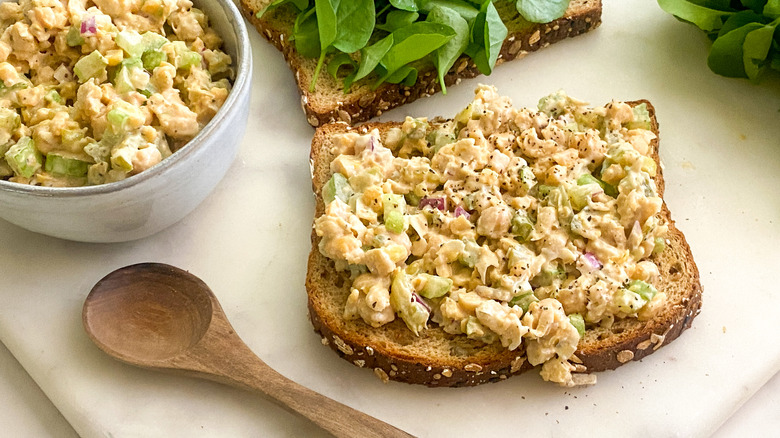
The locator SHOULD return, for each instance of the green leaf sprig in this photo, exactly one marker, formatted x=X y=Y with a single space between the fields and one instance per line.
x=391 y=39
x=744 y=32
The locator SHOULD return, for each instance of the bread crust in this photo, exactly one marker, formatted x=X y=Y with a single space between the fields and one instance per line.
x=363 y=103
x=436 y=358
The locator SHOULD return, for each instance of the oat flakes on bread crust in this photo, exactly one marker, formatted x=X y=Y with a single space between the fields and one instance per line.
x=329 y=104
x=436 y=358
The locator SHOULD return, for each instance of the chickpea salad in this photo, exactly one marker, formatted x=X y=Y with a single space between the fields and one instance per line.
x=95 y=91
x=504 y=225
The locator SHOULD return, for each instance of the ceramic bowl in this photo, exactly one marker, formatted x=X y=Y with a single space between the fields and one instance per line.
x=156 y=198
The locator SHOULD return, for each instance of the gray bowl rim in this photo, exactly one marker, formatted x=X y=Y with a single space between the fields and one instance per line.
x=244 y=53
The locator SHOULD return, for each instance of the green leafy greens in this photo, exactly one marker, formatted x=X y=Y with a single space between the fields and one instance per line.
x=391 y=39
x=745 y=35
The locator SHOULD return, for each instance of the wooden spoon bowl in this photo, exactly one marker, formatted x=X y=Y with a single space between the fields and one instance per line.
x=158 y=316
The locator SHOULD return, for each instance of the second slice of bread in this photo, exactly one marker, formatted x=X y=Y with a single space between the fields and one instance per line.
x=328 y=103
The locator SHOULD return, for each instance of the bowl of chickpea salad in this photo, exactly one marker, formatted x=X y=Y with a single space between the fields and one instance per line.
x=117 y=117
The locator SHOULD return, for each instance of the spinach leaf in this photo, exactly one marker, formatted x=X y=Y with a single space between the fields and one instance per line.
x=446 y=55
x=306 y=35
x=398 y=19
x=300 y=4
x=326 y=22
x=463 y=8
x=726 y=55
x=406 y=75
x=705 y=18
x=414 y=42
x=488 y=35
x=371 y=56
x=355 y=21
x=755 y=5
x=339 y=61
x=755 y=50
x=542 y=11
x=740 y=19
x=405 y=5
x=772 y=9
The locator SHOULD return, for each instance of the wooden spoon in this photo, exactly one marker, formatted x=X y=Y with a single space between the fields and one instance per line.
x=157 y=316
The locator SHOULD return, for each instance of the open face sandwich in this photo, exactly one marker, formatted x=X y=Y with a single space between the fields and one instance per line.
x=329 y=103
x=452 y=253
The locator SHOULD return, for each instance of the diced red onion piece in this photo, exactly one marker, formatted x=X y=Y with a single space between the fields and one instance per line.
x=438 y=203
x=460 y=211
x=88 y=26
x=418 y=299
x=592 y=261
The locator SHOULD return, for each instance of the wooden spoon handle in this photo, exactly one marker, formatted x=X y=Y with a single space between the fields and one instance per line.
x=222 y=356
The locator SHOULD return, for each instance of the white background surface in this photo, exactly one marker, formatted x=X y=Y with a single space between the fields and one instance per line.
x=720 y=144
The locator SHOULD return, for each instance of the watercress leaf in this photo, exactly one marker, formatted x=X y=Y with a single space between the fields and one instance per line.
x=772 y=9
x=465 y=9
x=446 y=55
x=338 y=61
x=306 y=35
x=405 y=5
x=355 y=21
x=493 y=38
x=726 y=54
x=414 y=42
x=372 y=55
x=326 y=22
x=542 y=11
x=397 y=19
x=756 y=49
x=704 y=18
x=755 y=5
x=740 y=19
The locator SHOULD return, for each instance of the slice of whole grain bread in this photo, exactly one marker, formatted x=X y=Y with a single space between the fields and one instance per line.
x=437 y=358
x=328 y=103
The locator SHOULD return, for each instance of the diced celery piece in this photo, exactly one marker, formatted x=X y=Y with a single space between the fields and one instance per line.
x=131 y=42
x=641 y=118
x=587 y=178
x=527 y=178
x=24 y=158
x=122 y=82
x=394 y=209
x=184 y=58
x=578 y=322
x=405 y=303
x=74 y=38
x=628 y=301
x=548 y=275
x=188 y=59
x=522 y=226
x=580 y=195
x=122 y=158
x=9 y=122
x=544 y=190
x=152 y=58
x=90 y=66
x=61 y=165
x=72 y=136
x=99 y=151
x=659 y=245
x=470 y=254
x=117 y=118
x=644 y=289
x=336 y=187
x=523 y=300
x=435 y=286
x=153 y=41
x=53 y=96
